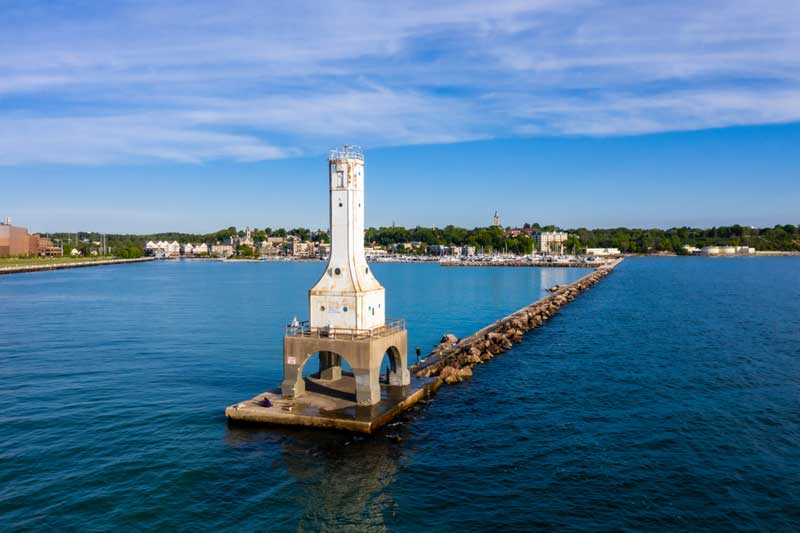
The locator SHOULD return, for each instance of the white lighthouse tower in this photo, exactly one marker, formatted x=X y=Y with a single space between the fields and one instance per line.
x=347 y=296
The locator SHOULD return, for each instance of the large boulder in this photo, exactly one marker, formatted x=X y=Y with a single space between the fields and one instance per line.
x=450 y=375
x=449 y=339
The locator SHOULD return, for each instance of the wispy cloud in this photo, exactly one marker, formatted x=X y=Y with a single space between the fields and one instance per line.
x=193 y=82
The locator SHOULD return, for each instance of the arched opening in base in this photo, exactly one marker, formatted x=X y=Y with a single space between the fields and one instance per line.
x=394 y=370
x=329 y=373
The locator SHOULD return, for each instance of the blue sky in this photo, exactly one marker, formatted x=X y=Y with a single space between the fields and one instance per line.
x=159 y=116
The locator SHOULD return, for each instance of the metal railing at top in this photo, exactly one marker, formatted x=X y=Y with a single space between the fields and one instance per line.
x=304 y=329
x=348 y=152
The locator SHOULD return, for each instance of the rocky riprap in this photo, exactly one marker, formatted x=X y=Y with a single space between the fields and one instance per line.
x=452 y=360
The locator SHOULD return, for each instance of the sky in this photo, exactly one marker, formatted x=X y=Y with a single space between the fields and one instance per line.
x=142 y=116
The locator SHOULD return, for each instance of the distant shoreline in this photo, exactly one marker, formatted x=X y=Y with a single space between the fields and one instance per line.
x=19 y=269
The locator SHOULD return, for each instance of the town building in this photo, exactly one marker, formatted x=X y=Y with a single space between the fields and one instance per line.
x=247 y=240
x=222 y=250
x=298 y=248
x=727 y=250
x=550 y=242
x=467 y=251
x=268 y=247
x=163 y=249
x=15 y=240
x=496 y=219
x=374 y=252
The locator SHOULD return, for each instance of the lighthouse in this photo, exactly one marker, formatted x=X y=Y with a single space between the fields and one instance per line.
x=347 y=295
x=347 y=304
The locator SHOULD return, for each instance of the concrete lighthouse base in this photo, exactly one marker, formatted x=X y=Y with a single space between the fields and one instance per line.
x=364 y=353
x=361 y=399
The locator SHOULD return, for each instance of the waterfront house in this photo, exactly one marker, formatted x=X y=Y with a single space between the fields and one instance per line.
x=187 y=249
x=200 y=249
x=370 y=252
x=222 y=249
x=299 y=248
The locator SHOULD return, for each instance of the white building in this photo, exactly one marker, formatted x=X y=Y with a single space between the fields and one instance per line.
x=200 y=249
x=187 y=249
x=691 y=249
x=347 y=296
x=550 y=242
x=374 y=252
x=603 y=252
x=467 y=251
x=222 y=250
x=727 y=250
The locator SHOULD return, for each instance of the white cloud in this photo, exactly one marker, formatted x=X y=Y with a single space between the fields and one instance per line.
x=194 y=82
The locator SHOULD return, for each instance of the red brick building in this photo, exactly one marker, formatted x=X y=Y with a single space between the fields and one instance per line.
x=15 y=240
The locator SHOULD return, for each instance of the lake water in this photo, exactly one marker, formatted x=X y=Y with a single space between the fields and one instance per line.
x=667 y=396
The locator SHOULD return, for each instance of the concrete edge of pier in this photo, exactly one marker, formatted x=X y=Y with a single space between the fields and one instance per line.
x=307 y=412
x=77 y=264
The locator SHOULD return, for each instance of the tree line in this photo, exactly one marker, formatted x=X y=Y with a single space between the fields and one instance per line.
x=489 y=239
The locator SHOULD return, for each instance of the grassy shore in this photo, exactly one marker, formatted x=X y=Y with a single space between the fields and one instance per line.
x=38 y=261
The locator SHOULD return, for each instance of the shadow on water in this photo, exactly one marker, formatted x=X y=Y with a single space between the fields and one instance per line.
x=343 y=477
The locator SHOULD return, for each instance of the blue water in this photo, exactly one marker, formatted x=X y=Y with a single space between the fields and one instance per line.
x=667 y=396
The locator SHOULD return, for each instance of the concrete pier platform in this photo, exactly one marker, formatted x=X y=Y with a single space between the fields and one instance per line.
x=332 y=405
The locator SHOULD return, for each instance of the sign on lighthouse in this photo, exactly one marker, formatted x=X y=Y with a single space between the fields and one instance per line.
x=347 y=295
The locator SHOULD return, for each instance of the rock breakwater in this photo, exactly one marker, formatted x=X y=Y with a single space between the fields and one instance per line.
x=453 y=359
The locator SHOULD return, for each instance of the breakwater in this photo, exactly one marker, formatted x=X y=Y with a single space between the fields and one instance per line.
x=76 y=264
x=522 y=263
x=453 y=359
